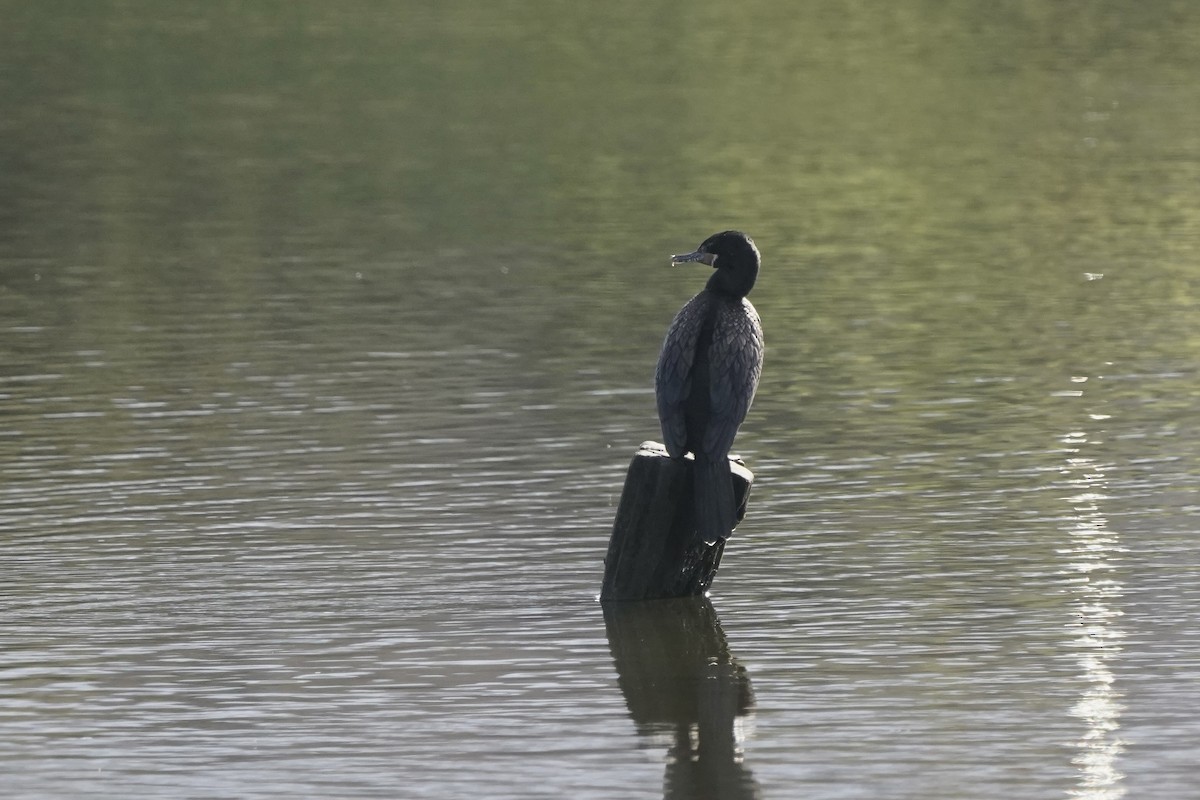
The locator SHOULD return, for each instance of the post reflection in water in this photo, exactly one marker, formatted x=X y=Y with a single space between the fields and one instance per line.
x=1092 y=550
x=683 y=687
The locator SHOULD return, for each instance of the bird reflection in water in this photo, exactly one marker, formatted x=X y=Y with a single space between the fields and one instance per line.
x=682 y=684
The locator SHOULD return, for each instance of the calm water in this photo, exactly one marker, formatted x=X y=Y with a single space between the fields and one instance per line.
x=327 y=332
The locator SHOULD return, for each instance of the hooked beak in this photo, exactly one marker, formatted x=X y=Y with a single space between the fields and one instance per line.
x=704 y=258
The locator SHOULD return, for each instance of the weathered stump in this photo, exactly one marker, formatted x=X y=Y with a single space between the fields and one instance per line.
x=654 y=551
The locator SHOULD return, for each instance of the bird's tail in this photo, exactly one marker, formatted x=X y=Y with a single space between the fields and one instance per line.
x=716 y=514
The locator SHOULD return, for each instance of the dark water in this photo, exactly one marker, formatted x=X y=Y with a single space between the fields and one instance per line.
x=327 y=332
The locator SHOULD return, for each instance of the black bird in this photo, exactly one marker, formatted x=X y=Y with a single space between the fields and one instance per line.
x=708 y=372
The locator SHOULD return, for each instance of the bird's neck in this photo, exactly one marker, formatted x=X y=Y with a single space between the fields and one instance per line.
x=733 y=285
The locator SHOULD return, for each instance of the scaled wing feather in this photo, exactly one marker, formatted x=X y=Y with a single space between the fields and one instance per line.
x=737 y=355
x=672 y=379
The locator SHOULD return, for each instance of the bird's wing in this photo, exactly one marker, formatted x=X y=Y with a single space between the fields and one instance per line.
x=736 y=358
x=673 y=377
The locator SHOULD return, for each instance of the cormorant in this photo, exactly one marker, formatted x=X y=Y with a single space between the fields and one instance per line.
x=708 y=372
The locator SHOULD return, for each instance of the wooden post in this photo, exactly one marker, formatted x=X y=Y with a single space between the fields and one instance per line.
x=654 y=552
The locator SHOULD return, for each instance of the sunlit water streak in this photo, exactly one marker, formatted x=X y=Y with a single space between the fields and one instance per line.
x=1094 y=552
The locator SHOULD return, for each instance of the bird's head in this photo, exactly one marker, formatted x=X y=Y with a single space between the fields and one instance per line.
x=734 y=257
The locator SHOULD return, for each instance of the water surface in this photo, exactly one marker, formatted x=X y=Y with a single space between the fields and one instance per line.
x=327 y=333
